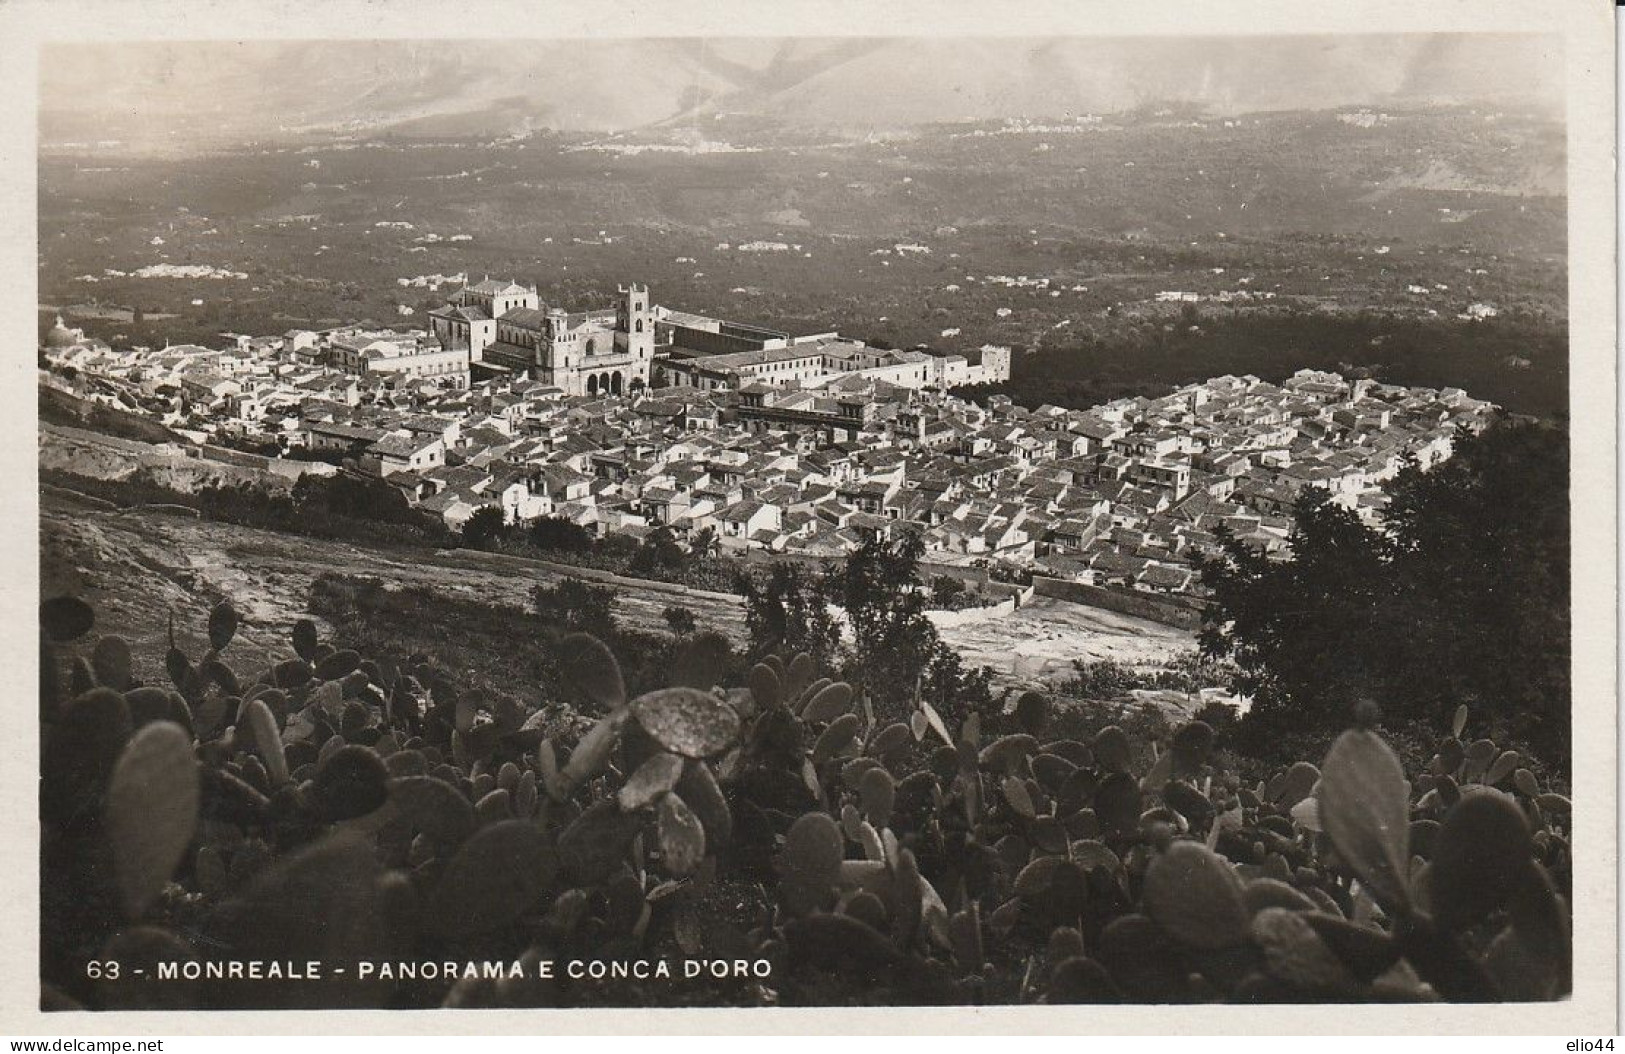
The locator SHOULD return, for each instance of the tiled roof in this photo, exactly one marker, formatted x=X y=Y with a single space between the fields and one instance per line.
x=399 y=446
x=493 y=287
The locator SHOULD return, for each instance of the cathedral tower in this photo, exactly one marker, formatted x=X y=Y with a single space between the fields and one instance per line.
x=635 y=330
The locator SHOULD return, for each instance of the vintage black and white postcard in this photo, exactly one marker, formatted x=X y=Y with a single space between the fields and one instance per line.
x=1090 y=517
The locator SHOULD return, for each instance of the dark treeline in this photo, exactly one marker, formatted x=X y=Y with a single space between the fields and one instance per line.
x=1519 y=364
x=1463 y=598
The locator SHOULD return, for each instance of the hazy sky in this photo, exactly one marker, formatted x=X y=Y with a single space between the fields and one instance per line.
x=140 y=91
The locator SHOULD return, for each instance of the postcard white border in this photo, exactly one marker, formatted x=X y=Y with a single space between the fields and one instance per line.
x=1587 y=31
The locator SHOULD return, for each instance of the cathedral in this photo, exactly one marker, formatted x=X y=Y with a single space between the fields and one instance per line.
x=505 y=326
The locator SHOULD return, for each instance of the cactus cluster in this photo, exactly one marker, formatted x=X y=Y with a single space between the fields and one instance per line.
x=328 y=806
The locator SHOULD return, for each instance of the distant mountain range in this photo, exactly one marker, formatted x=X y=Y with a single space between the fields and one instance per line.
x=181 y=95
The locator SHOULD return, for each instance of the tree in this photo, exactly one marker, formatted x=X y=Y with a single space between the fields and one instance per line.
x=617 y=546
x=787 y=611
x=892 y=638
x=1482 y=548
x=1461 y=597
x=355 y=496
x=1301 y=630
x=895 y=655
x=1101 y=679
x=485 y=527
x=659 y=552
x=704 y=542
x=557 y=534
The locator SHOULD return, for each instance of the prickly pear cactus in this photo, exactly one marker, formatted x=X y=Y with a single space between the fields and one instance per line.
x=326 y=802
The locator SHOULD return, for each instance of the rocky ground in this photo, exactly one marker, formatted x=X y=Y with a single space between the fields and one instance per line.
x=1037 y=643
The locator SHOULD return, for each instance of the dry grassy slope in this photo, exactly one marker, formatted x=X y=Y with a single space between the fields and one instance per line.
x=82 y=452
x=135 y=566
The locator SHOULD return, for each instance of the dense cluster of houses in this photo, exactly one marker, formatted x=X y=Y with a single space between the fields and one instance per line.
x=1121 y=495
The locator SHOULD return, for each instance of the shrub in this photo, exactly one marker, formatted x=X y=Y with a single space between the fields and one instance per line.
x=1102 y=679
x=1110 y=678
x=947 y=592
x=620 y=548
x=578 y=605
x=680 y=619
x=324 y=804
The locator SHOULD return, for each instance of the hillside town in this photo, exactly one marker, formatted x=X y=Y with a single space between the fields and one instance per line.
x=637 y=417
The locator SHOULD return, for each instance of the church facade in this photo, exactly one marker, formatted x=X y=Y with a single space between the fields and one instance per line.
x=505 y=326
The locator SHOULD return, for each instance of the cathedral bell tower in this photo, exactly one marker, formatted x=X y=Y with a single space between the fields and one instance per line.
x=635 y=330
x=553 y=350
